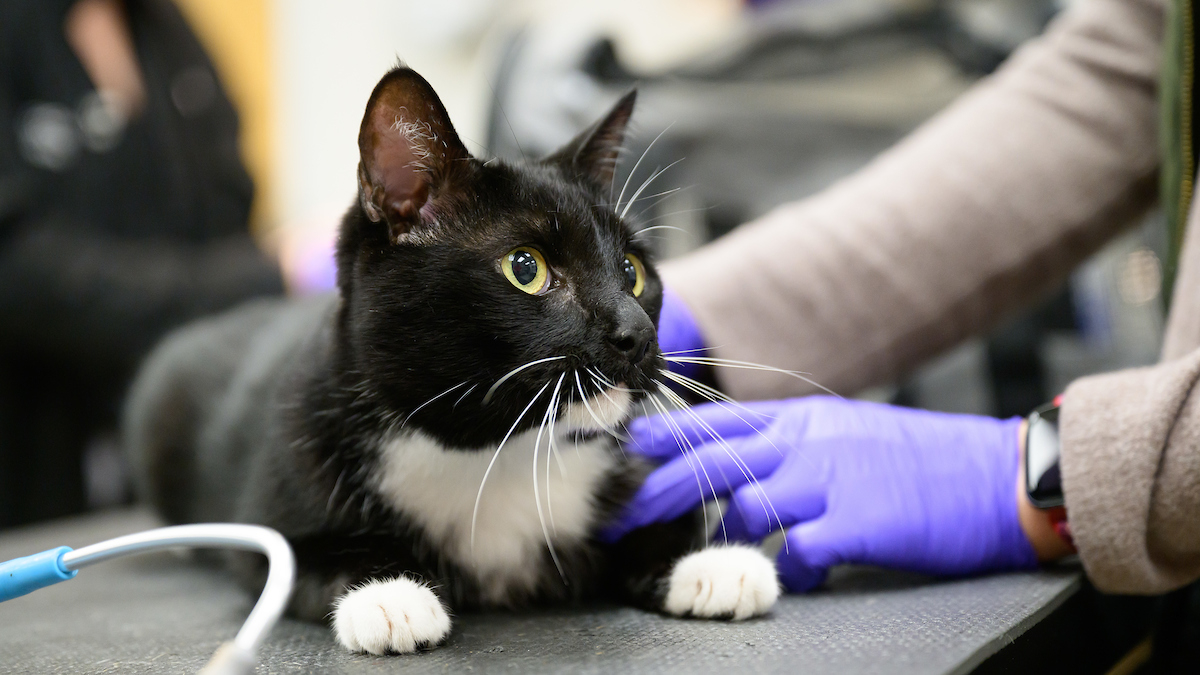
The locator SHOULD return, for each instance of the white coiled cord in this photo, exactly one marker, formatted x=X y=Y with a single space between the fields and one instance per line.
x=238 y=656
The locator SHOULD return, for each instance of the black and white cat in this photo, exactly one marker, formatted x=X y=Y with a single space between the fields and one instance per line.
x=434 y=436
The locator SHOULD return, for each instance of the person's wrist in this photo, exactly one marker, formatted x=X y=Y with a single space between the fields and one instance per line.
x=1035 y=523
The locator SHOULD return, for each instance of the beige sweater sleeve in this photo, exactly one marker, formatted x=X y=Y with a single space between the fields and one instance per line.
x=987 y=206
x=1131 y=475
x=1131 y=456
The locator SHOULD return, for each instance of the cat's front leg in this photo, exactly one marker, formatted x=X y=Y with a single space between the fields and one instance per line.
x=722 y=582
x=397 y=615
x=664 y=568
x=365 y=587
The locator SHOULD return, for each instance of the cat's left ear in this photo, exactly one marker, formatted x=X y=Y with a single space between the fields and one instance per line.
x=409 y=152
x=592 y=155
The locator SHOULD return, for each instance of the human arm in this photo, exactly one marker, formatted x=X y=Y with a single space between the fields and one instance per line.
x=1130 y=459
x=1074 y=116
x=988 y=206
x=859 y=482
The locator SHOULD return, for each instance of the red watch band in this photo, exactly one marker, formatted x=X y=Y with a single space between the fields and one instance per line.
x=1058 y=520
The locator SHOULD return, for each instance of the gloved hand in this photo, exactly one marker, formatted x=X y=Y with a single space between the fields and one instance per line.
x=678 y=334
x=856 y=482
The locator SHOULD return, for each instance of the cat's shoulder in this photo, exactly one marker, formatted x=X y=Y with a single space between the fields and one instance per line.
x=207 y=357
x=229 y=334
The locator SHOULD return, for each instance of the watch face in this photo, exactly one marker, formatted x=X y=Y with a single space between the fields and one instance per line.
x=1043 y=481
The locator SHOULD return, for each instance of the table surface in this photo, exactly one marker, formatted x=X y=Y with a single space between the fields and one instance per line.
x=160 y=613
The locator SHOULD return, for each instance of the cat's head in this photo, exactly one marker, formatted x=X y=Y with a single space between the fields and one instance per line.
x=476 y=293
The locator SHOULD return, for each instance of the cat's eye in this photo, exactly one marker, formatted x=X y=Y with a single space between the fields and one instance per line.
x=635 y=274
x=526 y=269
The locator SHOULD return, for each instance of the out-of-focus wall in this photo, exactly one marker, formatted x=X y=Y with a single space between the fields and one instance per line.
x=328 y=56
x=237 y=35
x=300 y=71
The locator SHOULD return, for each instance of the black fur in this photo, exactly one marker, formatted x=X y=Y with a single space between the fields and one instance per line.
x=274 y=413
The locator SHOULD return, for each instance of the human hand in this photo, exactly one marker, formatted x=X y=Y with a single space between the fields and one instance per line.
x=851 y=481
x=678 y=334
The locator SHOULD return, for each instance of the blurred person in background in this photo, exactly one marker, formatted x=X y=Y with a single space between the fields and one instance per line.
x=123 y=212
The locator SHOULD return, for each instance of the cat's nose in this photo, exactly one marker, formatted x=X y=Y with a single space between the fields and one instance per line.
x=632 y=332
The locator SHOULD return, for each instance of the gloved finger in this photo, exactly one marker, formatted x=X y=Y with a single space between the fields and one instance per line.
x=732 y=528
x=712 y=470
x=793 y=493
x=809 y=550
x=661 y=499
x=663 y=436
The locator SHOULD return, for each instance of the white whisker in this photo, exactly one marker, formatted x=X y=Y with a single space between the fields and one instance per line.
x=664 y=193
x=746 y=365
x=659 y=227
x=488 y=396
x=587 y=406
x=604 y=392
x=600 y=376
x=611 y=431
x=657 y=195
x=724 y=401
x=562 y=469
x=551 y=413
x=744 y=468
x=639 y=163
x=465 y=394
x=488 y=471
x=414 y=411
x=681 y=440
x=714 y=395
x=551 y=447
x=649 y=180
x=660 y=216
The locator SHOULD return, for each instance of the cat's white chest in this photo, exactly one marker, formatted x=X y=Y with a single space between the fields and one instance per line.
x=522 y=503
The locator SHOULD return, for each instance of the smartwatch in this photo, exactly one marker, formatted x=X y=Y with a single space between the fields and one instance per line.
x=1043 y=480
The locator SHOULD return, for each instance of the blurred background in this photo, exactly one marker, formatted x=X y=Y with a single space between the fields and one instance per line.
x=132 y=199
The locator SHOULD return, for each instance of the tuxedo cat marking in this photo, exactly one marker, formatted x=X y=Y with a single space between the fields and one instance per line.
x=436 y=436
x=439 y=490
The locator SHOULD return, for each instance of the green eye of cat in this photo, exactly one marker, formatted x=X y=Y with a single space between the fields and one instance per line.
x=526 y=269
x=635 y=274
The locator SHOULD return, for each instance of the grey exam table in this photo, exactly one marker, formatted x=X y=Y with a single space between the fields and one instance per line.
x=161 y=613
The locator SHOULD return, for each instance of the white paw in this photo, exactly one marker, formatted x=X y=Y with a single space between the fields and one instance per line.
x=398 y=615
x=735 y=582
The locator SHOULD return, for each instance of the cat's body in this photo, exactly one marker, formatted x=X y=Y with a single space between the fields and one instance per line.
x=434 y=434
x=230 y=393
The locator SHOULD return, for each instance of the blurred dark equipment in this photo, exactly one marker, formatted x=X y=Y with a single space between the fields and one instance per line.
x=112 y=231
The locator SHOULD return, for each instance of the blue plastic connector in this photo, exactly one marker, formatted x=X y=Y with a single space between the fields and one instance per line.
x=26 y=575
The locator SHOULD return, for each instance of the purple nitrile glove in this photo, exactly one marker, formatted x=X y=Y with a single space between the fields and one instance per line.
x=852 y=481
x=678 y=334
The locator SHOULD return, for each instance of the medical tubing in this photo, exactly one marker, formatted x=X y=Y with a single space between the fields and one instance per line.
x=281 y=565
x=26 y=575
